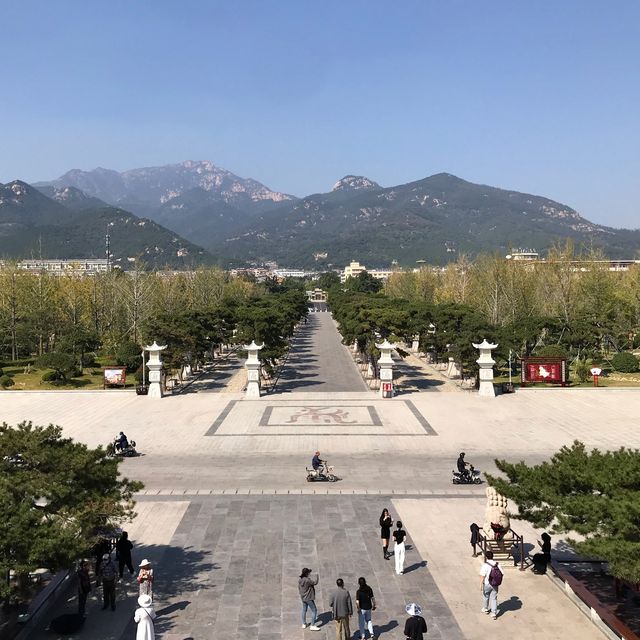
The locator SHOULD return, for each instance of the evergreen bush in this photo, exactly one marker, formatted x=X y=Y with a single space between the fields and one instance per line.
x=552 y=351
x=625 y=362
x=6 y=381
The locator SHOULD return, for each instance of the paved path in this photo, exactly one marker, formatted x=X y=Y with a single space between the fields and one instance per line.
x=318 y=361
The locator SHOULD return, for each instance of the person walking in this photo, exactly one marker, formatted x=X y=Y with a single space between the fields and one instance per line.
x=342 y=610
x=144 y=617
x=123 y=553
x=399 y=536
x=416 y=625
x=490 y=581
x=365 y=604
x=145 y=579
x=307 y=591
x=108 y=579
x=385 y=531
x=84 y=587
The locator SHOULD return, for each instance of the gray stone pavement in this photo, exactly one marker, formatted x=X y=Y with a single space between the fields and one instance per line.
x=229 y=520
x=318 y=361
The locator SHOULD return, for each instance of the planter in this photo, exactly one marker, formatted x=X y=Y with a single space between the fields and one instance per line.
x=507 y=387
x=142 y=390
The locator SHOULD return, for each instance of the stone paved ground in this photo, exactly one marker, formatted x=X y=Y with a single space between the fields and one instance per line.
x=230 y=521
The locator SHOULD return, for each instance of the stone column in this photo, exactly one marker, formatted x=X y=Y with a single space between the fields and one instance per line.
x=386 y=368
x=486 y=362
x=252 y=366
x=415 y=344
x=154 y=364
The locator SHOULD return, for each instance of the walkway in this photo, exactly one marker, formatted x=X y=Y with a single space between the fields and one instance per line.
x=318 y=361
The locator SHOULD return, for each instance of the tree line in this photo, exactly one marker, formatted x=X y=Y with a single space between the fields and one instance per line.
x=568 y=305
x=53 y=318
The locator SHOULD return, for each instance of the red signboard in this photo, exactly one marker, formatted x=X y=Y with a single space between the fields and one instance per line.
x=544 y=370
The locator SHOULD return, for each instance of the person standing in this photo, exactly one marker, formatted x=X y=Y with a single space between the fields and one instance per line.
x=490 y=581
x=84 y=587
x=385 y=531
x=399 y=536
x=145 y=579
x=365 y=604
x=475 y=537
x=307 y=591
x=342 y=610
x=416 y=625
x=144 y=617
x=108 y=578
x=123 y=553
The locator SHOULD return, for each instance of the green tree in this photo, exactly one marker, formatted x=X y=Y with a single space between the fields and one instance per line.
x=64 y=364
x=364 y=282
x=592 y=493
x=54 y=496
x=327 y=280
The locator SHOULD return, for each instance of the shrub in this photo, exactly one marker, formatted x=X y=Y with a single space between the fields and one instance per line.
x=6 y=381
x=62 y=363
x=51 y=376
x=625 y=362
x=582 y=370
x=138 y=375
x=1 y=372
x=128 y=354
x=89 y=360
x=552 y=351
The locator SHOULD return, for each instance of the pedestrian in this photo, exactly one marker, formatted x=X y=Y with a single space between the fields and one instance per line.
x=398 y=550
x=365 y=603
x=145 y=579
x=541 y=560
x=342 y=610
x=385 y=531
x=108 y=578
x=84 y=587
x=144 y=617
x=475 y=537
x=307 y=591
x=490 y=581
x=123 y=553
x=416 y=625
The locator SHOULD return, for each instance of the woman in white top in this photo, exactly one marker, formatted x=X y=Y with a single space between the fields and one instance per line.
x=144 y=617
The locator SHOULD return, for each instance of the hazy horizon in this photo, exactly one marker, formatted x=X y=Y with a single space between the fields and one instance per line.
x=539 y=99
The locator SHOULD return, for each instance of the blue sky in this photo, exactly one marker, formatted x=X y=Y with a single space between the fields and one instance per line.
x=542 y=96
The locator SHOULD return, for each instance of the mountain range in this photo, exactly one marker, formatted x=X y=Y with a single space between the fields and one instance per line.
x=67 y=223
x=240 y=220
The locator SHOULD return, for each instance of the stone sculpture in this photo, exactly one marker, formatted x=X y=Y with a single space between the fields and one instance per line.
x=496 y=515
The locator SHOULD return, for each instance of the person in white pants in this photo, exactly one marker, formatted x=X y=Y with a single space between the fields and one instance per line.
x=399 y=536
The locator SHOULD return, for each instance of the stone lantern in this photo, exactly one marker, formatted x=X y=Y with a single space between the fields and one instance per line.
x=253 y=370
x=486 y=362
x=386 y=369
x=154 y=364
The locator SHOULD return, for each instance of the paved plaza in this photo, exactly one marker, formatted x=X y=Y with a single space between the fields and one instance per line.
x=229 y=521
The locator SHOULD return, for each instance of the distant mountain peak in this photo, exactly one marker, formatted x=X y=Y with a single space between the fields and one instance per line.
x=355 y=183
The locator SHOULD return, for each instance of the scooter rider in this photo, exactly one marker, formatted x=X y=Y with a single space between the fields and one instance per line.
x=317 y=463
x=462 y=467
x=121 y=442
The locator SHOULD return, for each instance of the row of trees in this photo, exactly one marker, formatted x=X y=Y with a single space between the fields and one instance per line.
x=115 y=313
x=552 y=308
x=571 y=300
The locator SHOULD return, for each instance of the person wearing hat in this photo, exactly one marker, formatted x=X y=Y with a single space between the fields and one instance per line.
x=307 y=591
x=144 y=617
x=415 y=626
x=145 y=579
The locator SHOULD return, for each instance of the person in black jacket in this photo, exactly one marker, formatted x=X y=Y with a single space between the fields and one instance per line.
x=475 y=537
x=415 y=626
x=541 y=560
x=123 y=552
x=386 y=523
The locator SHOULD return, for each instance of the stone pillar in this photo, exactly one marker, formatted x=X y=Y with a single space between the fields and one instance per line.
x=386 y=369
x=486 y=362
x=453 y=371
x=154 y=364
x=415 y=344
x=252 y=366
